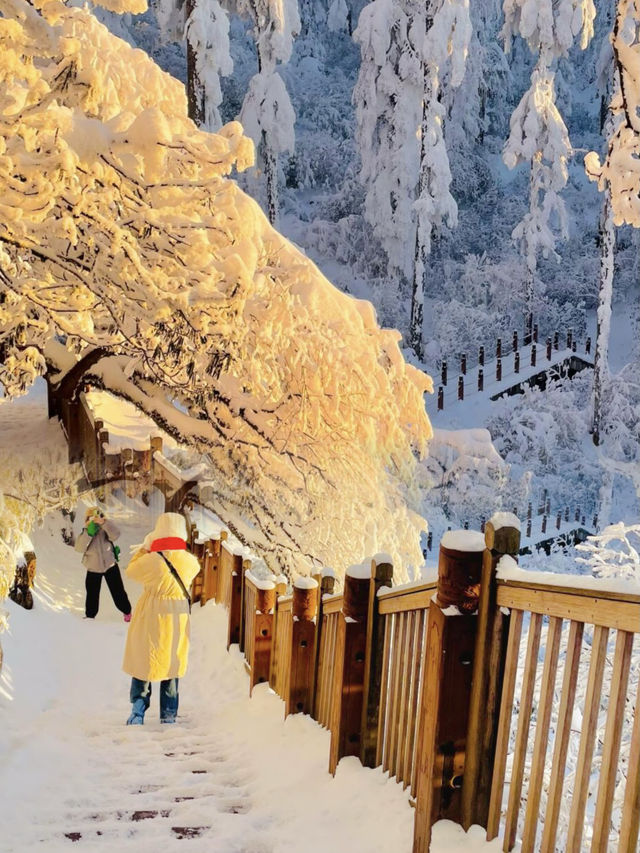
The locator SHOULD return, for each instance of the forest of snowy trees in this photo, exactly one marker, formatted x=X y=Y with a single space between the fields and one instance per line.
x=461 y=166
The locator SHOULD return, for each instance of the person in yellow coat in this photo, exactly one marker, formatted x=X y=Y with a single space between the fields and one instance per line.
x=157 y=645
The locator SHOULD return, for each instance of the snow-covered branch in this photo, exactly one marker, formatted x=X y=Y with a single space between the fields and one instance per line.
x=121 y=234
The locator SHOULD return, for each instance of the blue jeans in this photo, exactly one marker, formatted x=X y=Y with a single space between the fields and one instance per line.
x=140 y=696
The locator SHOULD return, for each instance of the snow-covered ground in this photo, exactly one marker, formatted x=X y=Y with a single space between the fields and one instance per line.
x=232 y=776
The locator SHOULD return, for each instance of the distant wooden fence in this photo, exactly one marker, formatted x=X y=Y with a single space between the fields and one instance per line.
x=136 y=470
x=522 y=361
x=423 y=681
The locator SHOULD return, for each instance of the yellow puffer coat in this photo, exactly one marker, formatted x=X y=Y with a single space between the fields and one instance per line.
x=157 y=645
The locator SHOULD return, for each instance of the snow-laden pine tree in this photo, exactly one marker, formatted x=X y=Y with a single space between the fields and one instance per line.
x=206 y=31
x=538 y=134
x=617 y=178
x=267 y=114
x=618 y=169
x=130 y=260
x=204 y=26
x=406 y=47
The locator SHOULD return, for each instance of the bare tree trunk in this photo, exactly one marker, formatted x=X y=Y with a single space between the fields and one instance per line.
x=531 y=262
x=417 y=299
x=195 y=89
x=420 y=251
x=271 y=173
x=605 y=291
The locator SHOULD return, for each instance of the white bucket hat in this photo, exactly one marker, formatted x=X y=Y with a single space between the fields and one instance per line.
x=168 y=526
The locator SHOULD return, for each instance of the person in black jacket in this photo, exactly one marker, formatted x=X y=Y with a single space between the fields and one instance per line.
x=100 y=557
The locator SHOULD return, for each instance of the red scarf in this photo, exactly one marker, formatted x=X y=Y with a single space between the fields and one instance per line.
x=169 y=543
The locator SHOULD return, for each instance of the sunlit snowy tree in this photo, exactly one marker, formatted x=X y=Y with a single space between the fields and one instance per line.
x=538 y=133
x=129 y=260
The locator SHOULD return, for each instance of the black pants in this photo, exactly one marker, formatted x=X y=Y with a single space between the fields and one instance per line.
x=116 y=588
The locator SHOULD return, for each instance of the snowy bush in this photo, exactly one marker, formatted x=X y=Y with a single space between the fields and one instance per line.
x=614 y=552
x=547 y=433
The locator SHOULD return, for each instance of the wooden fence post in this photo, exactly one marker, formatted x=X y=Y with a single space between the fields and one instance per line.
x=381 y=575
x=262 y=628
x=299 y=699
x=348 y=683
x=235 y=601
x=211 y=568
x=446 y=687
x=502 y=536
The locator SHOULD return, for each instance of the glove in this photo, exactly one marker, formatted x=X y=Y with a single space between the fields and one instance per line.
x=116 y=552
x=92 y=528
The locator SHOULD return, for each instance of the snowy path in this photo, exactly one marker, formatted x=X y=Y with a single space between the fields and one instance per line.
x=230 y=777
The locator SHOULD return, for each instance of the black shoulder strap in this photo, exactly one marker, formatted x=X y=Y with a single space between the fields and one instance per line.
x=175 y=574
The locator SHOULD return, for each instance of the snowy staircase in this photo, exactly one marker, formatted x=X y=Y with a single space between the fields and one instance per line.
x=176 y=785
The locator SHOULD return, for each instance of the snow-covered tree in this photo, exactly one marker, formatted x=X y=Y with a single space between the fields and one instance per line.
x=607 y=235
x=129 y=260
x=406 y=48
x=538 y=133
x=267 y=114
x=619 y=169
x=206 y=31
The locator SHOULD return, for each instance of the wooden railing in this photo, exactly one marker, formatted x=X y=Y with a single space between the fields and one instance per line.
x=587 y=627
x=424 y=680
x=135 y=469
x=405 y=621
x=331 y=610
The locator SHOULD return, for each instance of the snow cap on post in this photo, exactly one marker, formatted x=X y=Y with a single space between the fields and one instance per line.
x=305 y=599
x=502 y=533
x=460 y=569
x=382 y=569
x=356 y=591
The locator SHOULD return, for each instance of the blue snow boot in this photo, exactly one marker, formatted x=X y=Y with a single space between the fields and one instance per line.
x=137 y=713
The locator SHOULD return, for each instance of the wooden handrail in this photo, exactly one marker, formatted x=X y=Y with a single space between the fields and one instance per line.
x=579 y=606
x=332 y=604
x=412 y=598
x=592 y=592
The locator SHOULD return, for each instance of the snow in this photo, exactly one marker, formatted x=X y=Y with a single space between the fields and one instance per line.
x=231 y=764
x=127 y=426
x=463 y=540
x=509 y=570
x=361 y=571
x=259 y=582
x=207 y=523
x=382 y=558
x=505 y=519
x=302 y=582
